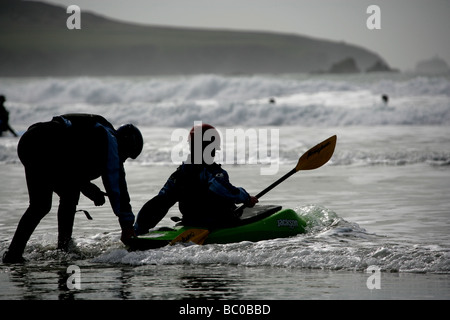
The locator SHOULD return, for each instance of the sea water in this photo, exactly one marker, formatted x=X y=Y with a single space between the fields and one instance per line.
x=378 y=214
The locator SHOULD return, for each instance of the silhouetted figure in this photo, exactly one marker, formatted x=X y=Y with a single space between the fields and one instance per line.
x=4 y=118
x=63 y=156
x=201 y=187
x=385 y=98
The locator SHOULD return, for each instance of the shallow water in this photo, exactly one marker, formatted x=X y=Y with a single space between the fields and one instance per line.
x=382 y=200
x=215 y=282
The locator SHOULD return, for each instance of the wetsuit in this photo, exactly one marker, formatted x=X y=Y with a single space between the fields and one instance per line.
x=204 y=194
x=63 y=156
x=4 y=118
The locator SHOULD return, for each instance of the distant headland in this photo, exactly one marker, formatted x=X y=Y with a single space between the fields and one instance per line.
x=35 y=41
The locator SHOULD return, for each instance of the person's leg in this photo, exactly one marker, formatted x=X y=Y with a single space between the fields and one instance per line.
x=37 y=152
x=40 y=194
x=66 y=215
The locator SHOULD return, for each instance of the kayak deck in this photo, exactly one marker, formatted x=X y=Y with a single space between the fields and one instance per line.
x=256 y=224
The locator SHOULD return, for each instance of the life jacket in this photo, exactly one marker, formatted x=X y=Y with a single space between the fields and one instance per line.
x=197 y=203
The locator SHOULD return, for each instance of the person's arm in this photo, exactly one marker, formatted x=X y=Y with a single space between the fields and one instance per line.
x=115 y=184
x=156 y=208
x=219 y=183
x=94 y=193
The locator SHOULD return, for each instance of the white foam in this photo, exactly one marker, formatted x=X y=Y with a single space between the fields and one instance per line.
x=178 y=101
x=166 y=103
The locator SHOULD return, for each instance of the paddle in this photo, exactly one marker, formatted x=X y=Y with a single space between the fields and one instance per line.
x=314 y=158
x=197 y=236
x=12 y=131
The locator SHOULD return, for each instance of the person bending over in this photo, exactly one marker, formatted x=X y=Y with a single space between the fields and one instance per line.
x=63 y=156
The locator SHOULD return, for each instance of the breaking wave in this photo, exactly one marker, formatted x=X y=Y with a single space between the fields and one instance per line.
x=161 y=104
x=299 y=100
x=331 y=243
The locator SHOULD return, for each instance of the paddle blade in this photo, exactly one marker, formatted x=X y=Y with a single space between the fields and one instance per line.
x=318 y=155
x=197 y=236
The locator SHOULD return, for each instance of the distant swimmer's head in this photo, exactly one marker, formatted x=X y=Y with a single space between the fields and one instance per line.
x=2 y=98
x=204 y=140
x=130 y=141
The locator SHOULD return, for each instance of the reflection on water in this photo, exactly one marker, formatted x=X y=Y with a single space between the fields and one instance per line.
x=32 y=281
x=210 y=282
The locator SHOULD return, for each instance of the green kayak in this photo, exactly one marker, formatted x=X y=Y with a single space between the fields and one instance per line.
x=256 y=224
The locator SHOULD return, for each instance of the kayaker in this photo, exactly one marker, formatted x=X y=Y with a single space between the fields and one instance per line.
x=62 y=156
x=205 y=196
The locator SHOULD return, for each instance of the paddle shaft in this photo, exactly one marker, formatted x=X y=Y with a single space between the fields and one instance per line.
x=273 y=185
x=12 y=131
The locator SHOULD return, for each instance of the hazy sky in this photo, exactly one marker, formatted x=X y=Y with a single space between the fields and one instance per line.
x=411 y=30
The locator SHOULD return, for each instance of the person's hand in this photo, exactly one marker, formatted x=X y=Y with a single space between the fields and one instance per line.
x=99 y=199
x=251 y=202
x=127 y=234
x=94 y=193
